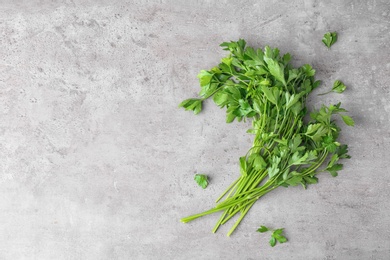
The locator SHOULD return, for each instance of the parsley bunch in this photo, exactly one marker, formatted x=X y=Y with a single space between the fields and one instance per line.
x=263 y=86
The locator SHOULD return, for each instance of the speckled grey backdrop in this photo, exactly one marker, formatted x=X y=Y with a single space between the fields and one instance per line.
x=97 y=161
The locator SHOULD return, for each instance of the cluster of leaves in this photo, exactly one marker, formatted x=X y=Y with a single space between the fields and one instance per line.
x=277 y=235
x=287 y=150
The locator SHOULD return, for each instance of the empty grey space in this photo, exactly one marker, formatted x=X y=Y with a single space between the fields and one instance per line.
x=97 y=160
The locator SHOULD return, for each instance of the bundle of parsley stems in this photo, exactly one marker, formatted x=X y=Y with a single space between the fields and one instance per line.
x=287 y=150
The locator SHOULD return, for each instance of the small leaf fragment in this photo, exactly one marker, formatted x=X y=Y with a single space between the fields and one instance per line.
x=338 y=87
x=262 y=229
x=272 y=241
x=329 y=38
x=202 y=180
x=194 y=104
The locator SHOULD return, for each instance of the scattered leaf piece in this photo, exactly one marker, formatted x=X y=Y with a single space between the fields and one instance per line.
x=202 y=180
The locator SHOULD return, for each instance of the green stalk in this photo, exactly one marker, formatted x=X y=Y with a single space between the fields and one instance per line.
x=232 y=186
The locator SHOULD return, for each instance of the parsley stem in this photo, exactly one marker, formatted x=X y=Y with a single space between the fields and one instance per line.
x=324 y=93
x=227 y=190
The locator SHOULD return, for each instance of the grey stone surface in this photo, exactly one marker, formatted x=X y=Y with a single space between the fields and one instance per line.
x=97 y=161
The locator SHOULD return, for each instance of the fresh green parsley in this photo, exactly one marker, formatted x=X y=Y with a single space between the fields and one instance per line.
x=338 y=87
x=329 y=38
x=202 y=180
x=276 y=236
x=262 y=86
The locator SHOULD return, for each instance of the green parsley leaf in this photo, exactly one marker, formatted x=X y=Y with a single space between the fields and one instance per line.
x=243 y=165
x=204 y=77
x=272 y=241
x=329 y=144
x=329 y=38
x=316 y=131
x=277 y=235
x=338 y=87
x=257 y=161
x=276 y=69
x=262 y=229
x=348 y=120
x=294 y=180
x=269 y=94
x=308 y=70
x=333 y=170
x=311 y=180
x=342 y=151
x=202 y=180
x=194 y=104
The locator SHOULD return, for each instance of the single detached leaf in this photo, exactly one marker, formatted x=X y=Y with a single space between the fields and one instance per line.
x=262 y=229
x=348 y=120
x=194 y=104
x=329 y=38
x=338 y=87
x=202 y=180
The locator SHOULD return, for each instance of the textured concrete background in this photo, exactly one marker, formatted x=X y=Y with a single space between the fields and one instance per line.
x=97 y=161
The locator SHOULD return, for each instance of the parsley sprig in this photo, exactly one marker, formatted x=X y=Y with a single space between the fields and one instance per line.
x=277 y=235
x=329 y=39
x=262 y=85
